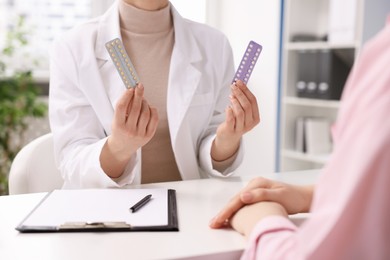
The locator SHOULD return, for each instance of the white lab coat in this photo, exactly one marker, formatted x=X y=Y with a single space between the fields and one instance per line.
x=85 y=86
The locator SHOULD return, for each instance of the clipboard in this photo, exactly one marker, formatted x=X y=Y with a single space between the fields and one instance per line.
x=102 y=210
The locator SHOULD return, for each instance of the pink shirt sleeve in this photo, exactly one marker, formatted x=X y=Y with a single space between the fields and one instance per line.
x=350 y=213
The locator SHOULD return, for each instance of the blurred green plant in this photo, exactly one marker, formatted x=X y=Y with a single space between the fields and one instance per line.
x=18 y=101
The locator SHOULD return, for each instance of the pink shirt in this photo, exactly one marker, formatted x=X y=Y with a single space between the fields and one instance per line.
x=350 y=213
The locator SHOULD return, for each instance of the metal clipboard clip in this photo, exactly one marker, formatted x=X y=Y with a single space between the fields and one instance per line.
x=94 y=225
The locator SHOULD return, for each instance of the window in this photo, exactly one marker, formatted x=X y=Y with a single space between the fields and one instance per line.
x=45 y=19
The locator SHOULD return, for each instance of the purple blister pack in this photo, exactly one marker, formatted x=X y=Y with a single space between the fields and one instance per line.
x=248 y=62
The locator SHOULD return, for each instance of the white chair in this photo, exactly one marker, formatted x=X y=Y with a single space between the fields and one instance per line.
x=33 y=169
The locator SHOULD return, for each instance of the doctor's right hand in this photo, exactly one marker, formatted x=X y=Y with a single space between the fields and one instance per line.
x=134 y=124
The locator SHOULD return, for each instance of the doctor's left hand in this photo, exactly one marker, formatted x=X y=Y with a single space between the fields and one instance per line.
x=242 y=115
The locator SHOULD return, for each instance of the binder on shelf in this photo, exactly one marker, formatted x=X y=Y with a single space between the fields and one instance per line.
x=306 y=84
x=300 y=135
x=103 y=210
x=332 y=74
x=321 y=74
x=317 y=136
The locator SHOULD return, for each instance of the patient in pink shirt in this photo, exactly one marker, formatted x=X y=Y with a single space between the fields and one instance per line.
x=350 y=205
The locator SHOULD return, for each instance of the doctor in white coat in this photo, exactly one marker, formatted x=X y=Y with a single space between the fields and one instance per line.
x=92 y=115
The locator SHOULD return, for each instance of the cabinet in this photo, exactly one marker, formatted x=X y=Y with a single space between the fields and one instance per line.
x=306 y=31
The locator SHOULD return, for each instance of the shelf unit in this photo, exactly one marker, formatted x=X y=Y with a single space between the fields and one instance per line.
x=307 y=17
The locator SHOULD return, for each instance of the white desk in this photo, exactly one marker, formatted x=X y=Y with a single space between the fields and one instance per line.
x=198 y=201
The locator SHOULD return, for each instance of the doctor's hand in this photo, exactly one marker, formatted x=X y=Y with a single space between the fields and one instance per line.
x=134 y=124
x=241 y=117
x=293 y=198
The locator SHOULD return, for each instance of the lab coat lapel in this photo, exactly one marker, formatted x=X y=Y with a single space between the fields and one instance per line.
x=184 y=77
x=100 y=73
x=109 y=29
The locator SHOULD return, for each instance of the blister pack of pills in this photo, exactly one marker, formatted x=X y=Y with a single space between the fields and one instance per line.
x=248 y=62
x=122 y=63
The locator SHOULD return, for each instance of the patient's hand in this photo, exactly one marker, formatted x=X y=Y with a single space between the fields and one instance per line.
x=247 y=217
x=295 y=199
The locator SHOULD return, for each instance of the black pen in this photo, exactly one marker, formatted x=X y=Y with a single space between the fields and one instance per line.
x=140 y=203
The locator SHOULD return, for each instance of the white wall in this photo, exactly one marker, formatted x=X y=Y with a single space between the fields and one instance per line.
x=375 y=14
x=257 y=20
x=194 y=10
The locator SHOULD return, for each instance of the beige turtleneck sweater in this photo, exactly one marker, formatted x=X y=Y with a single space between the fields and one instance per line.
x=148 y=37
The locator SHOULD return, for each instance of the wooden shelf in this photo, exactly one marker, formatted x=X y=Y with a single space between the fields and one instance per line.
x=310 y=102
x=318 y=46
x=321 y=159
